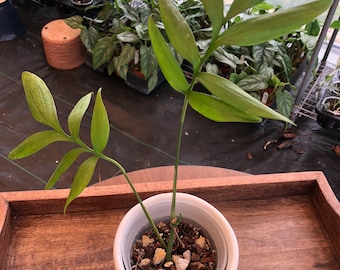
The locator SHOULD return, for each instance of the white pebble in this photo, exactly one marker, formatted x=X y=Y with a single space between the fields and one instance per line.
x=146 y=240
x=200 y=242
x=182 y=264
x=144 y=262
x=159 y=256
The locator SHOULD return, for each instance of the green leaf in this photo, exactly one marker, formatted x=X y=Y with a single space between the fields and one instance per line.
x=335 y=24
x=89 y=37
x=227 y=58
x=148 y=61
x=271 y=26
x=217 y=110
x=127 y=54
x=40 y=101
x=36 y=142
x=263 y=54
x=214 y=9
x=100 y=126
x=77 y=114
x=239 y=6
x=179 y=32
x=153 y=80
x=313 y=28
x=75 y=22
x=252 y=83
x=233 y=95
x=103 y=51
x=284 y=102
x=63 y=165
x=167 y=62
x=120 y=69
x=128 y=37
x=81 y=179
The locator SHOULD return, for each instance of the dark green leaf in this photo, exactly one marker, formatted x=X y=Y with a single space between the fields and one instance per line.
x=253 y=82
x=36 y=142
x=335 y=24
x=121 y=70
x=81 y=179
x=127 y=54
x=148 y=61
x=227 y=58
x=63 y=165
x=270 y=26
x=153 y=80
x=89 y=37
x=100 y=126
x=263 y=54
x=75 y=22
x=40 y=101
x=110 y=68
x=313 y=28
x=171 y=69
x=76 y=115
x=128 y=37
x=103 y=51
x=179 y=32
x=284 y=102
x=217 y=110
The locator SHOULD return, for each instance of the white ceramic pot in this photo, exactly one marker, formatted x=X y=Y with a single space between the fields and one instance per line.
x=193 y=208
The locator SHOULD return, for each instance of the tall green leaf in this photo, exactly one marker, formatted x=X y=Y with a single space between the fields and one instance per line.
x=215 y=109
x=63 y=165
x=214 y=9
x=81 y=179
x=36 y=142
x=77 y=114
x=40 y=101
x=270 y=26
x=100 y=126
x=180 y=36
x=233 y=95
x=166 y=60
x=238 y=6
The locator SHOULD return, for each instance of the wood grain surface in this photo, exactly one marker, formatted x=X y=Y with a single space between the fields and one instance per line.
x=282 y=221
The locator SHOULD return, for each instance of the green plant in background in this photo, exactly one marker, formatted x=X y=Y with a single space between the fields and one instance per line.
x=225 y=102
x=265 y=70
x=118 y=37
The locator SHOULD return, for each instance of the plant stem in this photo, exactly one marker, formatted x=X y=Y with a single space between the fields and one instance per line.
x=150 y=220
x=173 y=218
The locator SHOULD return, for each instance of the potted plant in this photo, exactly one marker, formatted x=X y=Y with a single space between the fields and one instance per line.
x=266 y=70
x=224 y=102
x=117 y=40
x=328 y=106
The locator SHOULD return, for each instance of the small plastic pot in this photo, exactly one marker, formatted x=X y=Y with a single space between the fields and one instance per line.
x=193 y=208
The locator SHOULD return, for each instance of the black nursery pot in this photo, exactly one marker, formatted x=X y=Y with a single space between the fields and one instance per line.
x=326 y=118
x=137 y=82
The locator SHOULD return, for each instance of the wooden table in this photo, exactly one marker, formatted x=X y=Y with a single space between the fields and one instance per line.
x=282 y=221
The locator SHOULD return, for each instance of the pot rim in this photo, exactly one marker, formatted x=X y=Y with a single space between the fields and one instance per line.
x=218 y=221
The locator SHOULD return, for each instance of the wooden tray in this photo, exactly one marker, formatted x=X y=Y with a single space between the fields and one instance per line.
x=282 y=221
